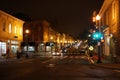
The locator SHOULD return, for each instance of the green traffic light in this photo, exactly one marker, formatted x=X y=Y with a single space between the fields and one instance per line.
x=97 y=35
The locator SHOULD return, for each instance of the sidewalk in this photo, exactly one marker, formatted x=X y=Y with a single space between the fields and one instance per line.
x=105 y=63
x=14 y=57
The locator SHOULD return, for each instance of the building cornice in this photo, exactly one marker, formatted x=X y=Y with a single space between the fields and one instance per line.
x=105 y=6
x=11 y=16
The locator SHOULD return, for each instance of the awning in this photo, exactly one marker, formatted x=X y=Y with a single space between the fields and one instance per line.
x=28 y=43
x=104 y=27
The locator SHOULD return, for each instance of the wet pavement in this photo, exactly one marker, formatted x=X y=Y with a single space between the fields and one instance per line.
x=105 y=63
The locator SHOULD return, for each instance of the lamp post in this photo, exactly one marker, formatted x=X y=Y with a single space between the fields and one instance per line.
x=51 y=43
x=99 y=40
x=27 y=32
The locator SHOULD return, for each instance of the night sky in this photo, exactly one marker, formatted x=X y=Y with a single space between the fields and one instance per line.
x=70 y=16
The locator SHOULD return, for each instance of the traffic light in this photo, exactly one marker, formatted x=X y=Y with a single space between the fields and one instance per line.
x=97 y=35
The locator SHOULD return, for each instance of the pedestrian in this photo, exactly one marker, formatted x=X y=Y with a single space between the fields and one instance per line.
x=7 y=53
x=18 y=53
x=26 y=55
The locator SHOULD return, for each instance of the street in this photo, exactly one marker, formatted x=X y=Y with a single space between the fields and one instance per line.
x=56 y=68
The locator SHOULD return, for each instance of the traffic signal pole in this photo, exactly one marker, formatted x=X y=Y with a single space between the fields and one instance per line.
x=99 y=40
x=99 y=52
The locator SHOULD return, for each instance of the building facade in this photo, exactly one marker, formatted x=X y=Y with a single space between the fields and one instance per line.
x=45 y=38
x=11 y=33
x=110 y=25
x=37 y=36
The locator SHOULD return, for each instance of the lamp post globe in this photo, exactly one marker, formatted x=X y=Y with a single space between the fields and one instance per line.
x=27 y=41
x=27 y=31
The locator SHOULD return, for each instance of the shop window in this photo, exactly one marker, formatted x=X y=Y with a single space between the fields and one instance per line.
x=2 y=47
x=14 y=49
x=14 y=42
x=8 y=41
x=30 y=48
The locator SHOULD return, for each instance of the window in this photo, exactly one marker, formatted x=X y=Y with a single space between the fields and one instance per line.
x=113 y=10
x=14 y=42
x=2 y=48
x=20 y=31
x=107 y=18
x=15 y=29
x=10 y=28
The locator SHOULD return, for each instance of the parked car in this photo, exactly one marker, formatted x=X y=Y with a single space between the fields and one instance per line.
x=82 y=51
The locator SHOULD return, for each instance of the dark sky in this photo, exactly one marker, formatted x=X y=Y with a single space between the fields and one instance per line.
x=71 y=16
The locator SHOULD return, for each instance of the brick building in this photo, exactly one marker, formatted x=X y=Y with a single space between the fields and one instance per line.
x=110 y=23
x=11 y=33
x=37 y=36
x=43 y=38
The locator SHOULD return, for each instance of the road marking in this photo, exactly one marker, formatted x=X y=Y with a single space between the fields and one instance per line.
x=25 y=61
x=46 y=61
x=117 y=70
x=51 y=65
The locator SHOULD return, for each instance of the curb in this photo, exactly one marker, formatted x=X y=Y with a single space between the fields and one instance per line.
x=100 y=65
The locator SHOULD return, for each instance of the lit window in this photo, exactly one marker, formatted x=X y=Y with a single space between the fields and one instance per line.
x=2 y=47
x=10 y=28
x=15 y=29
x=113 y=10
x=8 y=41
x=14 y=42
x=20 y=31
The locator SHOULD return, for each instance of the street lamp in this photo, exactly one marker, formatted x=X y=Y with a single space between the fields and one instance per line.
x=27 y=32
x=51 y=43
x=99 y=40
x=97 y=17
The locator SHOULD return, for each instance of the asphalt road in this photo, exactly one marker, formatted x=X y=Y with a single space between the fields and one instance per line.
x=55 y=68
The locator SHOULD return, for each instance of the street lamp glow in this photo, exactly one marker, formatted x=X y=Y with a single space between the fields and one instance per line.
x=27 y=31
x=51 y=37
x=89 y=35
x=94 y=19
x=97 y=17
x=65 y=41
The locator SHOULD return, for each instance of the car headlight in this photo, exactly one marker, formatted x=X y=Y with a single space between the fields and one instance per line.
x=53 y=53
x=58 y=53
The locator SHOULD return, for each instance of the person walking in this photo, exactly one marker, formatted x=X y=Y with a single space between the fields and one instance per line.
x=7 y=53
x=18 y=53
x=27 y=55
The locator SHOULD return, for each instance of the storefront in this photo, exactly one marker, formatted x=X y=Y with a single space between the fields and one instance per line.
x=13 y=45
x=30 y=46
x=41 y=47
x=11 y=33
x=2 y=48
